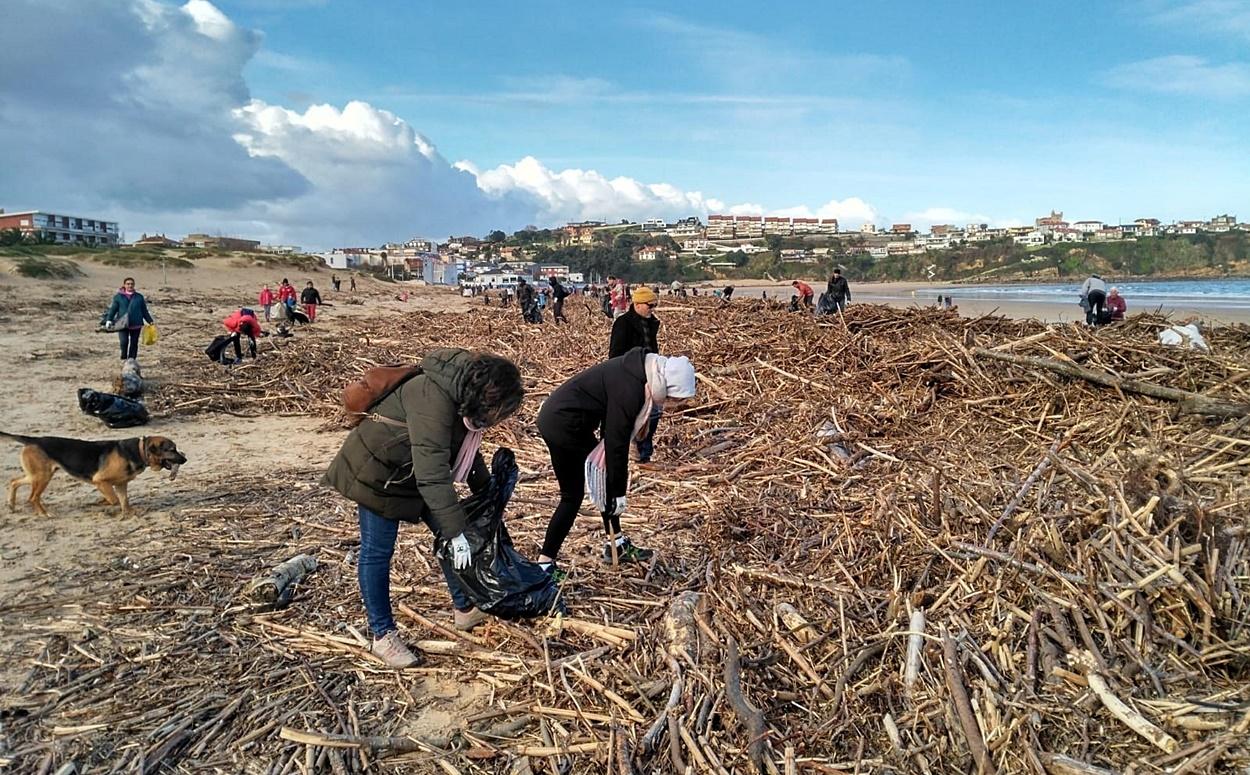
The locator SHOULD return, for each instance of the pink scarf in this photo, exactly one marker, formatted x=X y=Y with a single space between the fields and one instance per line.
x=468 y=452
x=596 y=461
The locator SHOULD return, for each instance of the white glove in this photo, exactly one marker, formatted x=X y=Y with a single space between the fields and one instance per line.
x=461 y=555
x=617 y=507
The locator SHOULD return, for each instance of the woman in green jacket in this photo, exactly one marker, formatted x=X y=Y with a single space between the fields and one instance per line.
x=126 y=315
x=401 y=463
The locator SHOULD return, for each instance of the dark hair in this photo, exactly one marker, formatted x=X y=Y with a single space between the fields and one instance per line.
x=124 y=279
x=837 y=271
x=492 y=390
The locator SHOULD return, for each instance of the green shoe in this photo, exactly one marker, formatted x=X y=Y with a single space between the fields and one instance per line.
x=626 y=552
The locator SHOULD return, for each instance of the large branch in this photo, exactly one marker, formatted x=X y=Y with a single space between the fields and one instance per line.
x=1194 y=403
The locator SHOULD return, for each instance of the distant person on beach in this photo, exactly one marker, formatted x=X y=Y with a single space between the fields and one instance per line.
x=794 y=303
x=353 y=283
x=242 y=323
x=266 y=299
x=619 y=294
x=401 y=464
x=334 y=281
x=559 y=293
x=286 y=292
x=727 y=293
x=310 y=297
x=805 y=293
x=126 y=315
x=1116 y=304
x=527 y=300
x=1093 y=298
x=614 y=399
x=838 y=292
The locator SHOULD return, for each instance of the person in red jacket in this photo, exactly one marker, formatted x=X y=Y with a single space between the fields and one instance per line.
x=267 y=298
x=240 y=324
x=1116 y=305
x=286 y=291
x=805 y=293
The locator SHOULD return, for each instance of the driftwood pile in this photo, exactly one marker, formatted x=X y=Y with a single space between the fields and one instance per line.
x=884 y=546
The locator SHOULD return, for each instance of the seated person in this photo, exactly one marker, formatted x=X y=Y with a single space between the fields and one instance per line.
x=240 y=324
x=1116 y=304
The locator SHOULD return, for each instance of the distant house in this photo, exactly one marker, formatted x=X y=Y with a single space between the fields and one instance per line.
x=868 y=228
x=649 y=253
x=1107 y=234
x=805 y=226
x=1033 y=237
x=156 y=241
x=552 y=270
x=1054 y=219
x=654 y=224
x=1222 y=223
x=1087 y=227
x=900 y=228
x=61 y=229
x=828 y=225
x=220 y=243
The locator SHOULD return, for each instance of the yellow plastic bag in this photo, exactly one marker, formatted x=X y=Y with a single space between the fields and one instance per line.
x=149 y=335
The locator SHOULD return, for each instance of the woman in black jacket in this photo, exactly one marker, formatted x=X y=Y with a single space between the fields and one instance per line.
x=614 y=400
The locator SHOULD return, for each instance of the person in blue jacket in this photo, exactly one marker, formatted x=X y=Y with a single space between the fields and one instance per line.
x=126 y=315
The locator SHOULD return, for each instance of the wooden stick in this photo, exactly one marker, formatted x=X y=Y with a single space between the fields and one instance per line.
x=1126 y=715
x=750 y=716
x=963 y=707
x=1194 y=403
x=915 y=644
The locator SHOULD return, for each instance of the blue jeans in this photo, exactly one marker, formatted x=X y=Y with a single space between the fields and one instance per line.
x=377 y=545
x=647 y=444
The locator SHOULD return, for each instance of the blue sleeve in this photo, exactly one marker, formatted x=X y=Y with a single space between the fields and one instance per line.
x=111 y=312
x=147 y=316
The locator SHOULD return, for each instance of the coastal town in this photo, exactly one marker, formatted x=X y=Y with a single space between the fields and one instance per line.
x=723 y=242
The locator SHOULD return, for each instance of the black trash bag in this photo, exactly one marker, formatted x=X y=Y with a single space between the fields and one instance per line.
x=115 y=411
x=215 y=350
x=500 y=581
x=605 y=304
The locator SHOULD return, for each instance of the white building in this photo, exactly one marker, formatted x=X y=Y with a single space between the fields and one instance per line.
x=1087 y=227
x=1034 y=237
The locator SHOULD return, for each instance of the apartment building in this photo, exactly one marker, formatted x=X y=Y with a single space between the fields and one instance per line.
x=720 y=227
x=748 y=226
x=62 y=229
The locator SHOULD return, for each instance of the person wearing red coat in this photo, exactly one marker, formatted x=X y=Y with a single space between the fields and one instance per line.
x=285 y=291
x=267 y=299
x=805 y=293
x=242 y=323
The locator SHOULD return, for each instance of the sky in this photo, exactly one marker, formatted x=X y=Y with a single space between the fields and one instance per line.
x=327 y=123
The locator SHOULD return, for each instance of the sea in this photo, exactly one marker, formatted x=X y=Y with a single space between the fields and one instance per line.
x=1224 y=293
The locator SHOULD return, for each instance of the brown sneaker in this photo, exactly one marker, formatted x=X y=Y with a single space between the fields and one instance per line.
x=467 y=620
x=391 y=650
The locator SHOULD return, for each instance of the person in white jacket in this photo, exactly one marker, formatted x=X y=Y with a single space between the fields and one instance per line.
x=1094 y=298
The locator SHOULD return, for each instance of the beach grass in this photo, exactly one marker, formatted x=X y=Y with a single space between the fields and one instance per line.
x=45 y=268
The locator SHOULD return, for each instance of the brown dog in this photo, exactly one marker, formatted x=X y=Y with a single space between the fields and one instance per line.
x=109 y=465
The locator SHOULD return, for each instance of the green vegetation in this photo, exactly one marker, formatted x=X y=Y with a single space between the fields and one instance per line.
x=274 y=261
x=44 y=268
x=1200 y=255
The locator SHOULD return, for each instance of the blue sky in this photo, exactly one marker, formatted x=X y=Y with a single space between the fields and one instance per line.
x=902 y=111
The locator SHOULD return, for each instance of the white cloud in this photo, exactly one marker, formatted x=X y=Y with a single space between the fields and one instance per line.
x=1216 y=17
x=1187 y=76
x=852 y=211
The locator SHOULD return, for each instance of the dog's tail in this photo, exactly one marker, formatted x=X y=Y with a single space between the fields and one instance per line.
x=17 y=437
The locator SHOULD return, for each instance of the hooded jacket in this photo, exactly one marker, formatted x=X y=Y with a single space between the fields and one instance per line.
x=240 y=323
x=405 y=472
x=633 y=330
x=606 y=399
x=838 y=288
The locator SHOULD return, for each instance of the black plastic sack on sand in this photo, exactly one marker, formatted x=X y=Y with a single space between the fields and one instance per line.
x=500 y=581
x=115 y=411
x=217 y=347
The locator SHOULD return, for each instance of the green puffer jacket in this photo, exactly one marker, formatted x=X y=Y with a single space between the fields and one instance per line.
x=405 y=473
